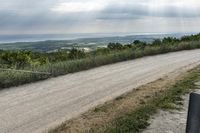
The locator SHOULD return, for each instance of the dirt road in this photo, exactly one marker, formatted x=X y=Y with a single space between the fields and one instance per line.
x=42 y=105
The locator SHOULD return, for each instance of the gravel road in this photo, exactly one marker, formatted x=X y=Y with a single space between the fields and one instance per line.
x=39 y=106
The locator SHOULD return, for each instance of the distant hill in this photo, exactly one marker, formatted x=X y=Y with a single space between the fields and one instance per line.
x=88 y=42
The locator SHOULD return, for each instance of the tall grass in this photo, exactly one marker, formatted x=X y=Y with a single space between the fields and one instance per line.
x=8 y=79
x=11 y=78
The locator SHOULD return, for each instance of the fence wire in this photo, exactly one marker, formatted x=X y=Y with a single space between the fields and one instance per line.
x=25 y=71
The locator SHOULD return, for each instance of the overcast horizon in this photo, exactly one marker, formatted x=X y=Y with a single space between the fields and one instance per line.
x=99 y=16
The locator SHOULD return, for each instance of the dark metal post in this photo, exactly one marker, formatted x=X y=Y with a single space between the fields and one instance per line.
x=193 y=120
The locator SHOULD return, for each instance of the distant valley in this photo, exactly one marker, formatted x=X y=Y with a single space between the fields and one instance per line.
x=87 y=42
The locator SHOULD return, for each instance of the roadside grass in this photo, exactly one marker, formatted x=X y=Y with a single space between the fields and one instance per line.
x=9 y=79
x=125 y=115
x=168 y=100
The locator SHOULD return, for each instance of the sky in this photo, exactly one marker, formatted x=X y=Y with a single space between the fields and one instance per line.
x=98 y=16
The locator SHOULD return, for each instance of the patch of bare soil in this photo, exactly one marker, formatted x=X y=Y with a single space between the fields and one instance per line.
x=170 y=121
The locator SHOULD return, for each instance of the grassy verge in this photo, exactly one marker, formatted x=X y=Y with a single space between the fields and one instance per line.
x=138 y=119
x=8 y=79
x=123 y=117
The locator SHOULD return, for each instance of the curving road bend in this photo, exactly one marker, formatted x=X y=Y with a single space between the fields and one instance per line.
x=39 y=106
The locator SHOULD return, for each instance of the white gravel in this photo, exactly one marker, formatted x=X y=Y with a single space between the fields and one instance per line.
x=39 y=106
x=170 y=122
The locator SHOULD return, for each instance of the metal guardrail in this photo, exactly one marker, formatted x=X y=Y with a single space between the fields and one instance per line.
x=25 y=71
x=193 y=120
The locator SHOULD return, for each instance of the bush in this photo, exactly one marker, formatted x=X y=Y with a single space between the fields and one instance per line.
x=76 y=54
x=115 y=46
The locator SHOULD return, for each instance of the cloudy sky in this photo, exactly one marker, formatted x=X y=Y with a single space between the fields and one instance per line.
x=98 y=16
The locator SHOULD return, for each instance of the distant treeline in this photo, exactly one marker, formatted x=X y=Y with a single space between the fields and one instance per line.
x=20 y=59
x=64 y=62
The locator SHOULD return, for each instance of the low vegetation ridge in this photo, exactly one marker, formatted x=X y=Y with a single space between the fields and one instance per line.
x=64 y=62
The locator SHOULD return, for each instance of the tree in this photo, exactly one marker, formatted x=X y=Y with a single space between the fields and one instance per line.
x=76 y=54
x=139 y=44
x=167 y=40
x=157 y=42
x=115 y=46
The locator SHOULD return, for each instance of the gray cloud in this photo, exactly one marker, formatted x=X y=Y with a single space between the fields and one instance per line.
x=36 y=16
x=137 y=11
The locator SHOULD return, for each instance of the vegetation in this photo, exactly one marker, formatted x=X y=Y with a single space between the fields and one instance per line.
x=137 y=120
x=64 y=62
